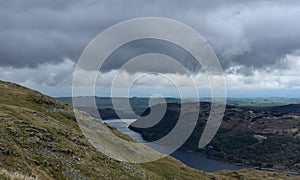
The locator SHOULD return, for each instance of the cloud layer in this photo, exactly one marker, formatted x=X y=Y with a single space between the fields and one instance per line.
x=255 y=41
x=255 y=34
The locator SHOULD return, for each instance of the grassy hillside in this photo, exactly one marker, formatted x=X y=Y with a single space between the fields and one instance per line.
x=40 y=139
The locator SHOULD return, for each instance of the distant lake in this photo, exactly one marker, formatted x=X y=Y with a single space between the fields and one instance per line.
x=191 y=159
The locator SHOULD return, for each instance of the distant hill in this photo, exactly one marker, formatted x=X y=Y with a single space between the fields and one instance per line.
x=262 y=102
x=139 y=105
x=40 y=139
x=264 y=137
x=106 y=108
x=290 y=108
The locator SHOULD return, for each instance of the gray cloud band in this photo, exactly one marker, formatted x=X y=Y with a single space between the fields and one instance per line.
x=242 y=34
x=96 y=53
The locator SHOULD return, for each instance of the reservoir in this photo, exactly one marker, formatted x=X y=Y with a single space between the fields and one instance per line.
x=191 y=159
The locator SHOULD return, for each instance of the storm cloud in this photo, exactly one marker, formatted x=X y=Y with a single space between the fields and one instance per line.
x=255 y=34
x=246 y=36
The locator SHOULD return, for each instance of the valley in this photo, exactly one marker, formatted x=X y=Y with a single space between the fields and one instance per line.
x=40 y=139
x=264 y=138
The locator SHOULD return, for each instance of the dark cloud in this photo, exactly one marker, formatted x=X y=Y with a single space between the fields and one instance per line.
x=252 y=34
x=145 y=46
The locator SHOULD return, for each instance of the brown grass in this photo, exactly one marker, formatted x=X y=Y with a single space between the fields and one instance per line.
x=4 y=174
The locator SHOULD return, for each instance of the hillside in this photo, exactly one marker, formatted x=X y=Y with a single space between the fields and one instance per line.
x=263 y=138
x=290 y=108
x=40 y=139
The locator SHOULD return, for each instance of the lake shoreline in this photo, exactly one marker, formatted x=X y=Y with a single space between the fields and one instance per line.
x=190 y=158
x=240 y=164
x=182 y=154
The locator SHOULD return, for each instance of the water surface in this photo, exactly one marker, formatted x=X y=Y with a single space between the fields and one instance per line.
x=191 y=159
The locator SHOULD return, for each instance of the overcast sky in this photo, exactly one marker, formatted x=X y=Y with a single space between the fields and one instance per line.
x=257 y=43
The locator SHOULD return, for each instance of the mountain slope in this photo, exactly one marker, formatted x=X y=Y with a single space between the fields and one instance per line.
x=39 y=138
x=255 y=137
x=290 y=108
